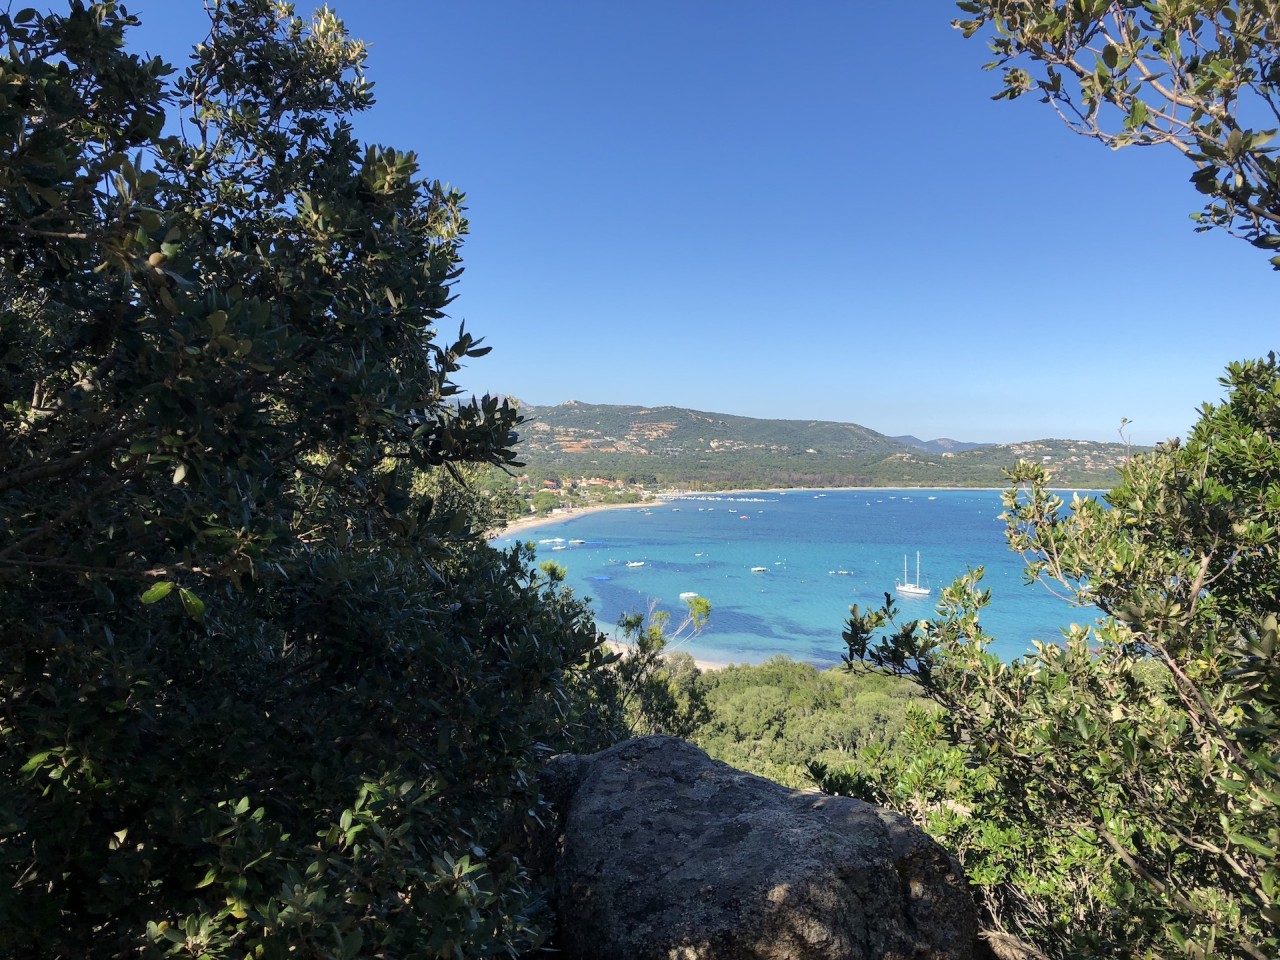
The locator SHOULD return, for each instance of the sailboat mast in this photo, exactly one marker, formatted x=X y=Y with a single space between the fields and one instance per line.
x=905 y=586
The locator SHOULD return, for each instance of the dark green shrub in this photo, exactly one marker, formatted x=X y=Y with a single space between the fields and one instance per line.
x=261 y=694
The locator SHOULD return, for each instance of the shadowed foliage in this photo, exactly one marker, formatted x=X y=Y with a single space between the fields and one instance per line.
x=261 y=692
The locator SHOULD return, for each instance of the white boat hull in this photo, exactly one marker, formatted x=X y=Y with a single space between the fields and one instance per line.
x=905 y=587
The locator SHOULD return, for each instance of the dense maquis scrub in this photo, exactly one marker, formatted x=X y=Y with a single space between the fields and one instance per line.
x=777 y=719
x=261 y=693
x=1119 y=794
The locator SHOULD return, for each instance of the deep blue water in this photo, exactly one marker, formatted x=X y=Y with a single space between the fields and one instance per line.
x=708 y=545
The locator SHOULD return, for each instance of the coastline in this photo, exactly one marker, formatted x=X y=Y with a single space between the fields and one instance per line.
x=532 y=522
x=704 y=665
x=763 y=626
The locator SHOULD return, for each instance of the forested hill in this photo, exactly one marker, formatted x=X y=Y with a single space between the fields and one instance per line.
x=677 y=446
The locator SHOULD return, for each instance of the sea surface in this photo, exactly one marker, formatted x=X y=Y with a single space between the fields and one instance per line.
x=821 y=552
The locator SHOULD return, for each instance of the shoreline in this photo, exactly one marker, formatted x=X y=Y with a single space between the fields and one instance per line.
x=532 y=522
x=704 y=665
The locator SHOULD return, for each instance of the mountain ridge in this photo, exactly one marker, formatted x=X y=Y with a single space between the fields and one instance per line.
x=682 y=446
x=940 y=445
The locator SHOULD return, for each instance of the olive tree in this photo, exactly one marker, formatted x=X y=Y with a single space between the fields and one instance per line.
x=260 y=691
x=1199 y=78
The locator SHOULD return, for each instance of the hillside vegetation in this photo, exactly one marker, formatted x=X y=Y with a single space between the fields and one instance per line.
x=674 y=446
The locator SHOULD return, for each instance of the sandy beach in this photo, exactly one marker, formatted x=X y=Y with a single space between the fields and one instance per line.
x=534 y=521
x=701 y=664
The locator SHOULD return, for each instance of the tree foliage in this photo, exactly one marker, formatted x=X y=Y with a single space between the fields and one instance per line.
x=1142 y=757
x=659 y=690
x=1201 y=78
x=781 y=718
x=260 y=691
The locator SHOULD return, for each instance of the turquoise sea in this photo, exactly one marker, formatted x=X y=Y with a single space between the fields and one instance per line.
x=821 y=551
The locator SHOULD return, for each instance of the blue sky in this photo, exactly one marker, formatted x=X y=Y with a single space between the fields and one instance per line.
x=808 y=211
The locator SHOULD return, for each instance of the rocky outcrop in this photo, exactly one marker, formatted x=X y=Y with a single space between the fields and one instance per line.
x=661 y=853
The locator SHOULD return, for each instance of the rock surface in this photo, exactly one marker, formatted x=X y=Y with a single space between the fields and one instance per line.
x=662 y=853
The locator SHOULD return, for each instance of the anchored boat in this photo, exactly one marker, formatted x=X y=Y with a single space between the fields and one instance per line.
x=905 y=586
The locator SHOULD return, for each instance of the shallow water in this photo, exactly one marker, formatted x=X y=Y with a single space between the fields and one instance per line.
x=708 y=544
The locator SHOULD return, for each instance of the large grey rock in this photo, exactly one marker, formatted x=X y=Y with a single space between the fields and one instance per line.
x=665 y=854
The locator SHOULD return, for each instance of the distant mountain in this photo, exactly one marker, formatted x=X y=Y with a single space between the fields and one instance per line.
x=676 y=446
x=941 y=445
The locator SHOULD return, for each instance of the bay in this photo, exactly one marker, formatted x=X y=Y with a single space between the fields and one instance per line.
x=820 y=551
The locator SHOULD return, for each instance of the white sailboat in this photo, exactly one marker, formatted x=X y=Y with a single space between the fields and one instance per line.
x=905 y=586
